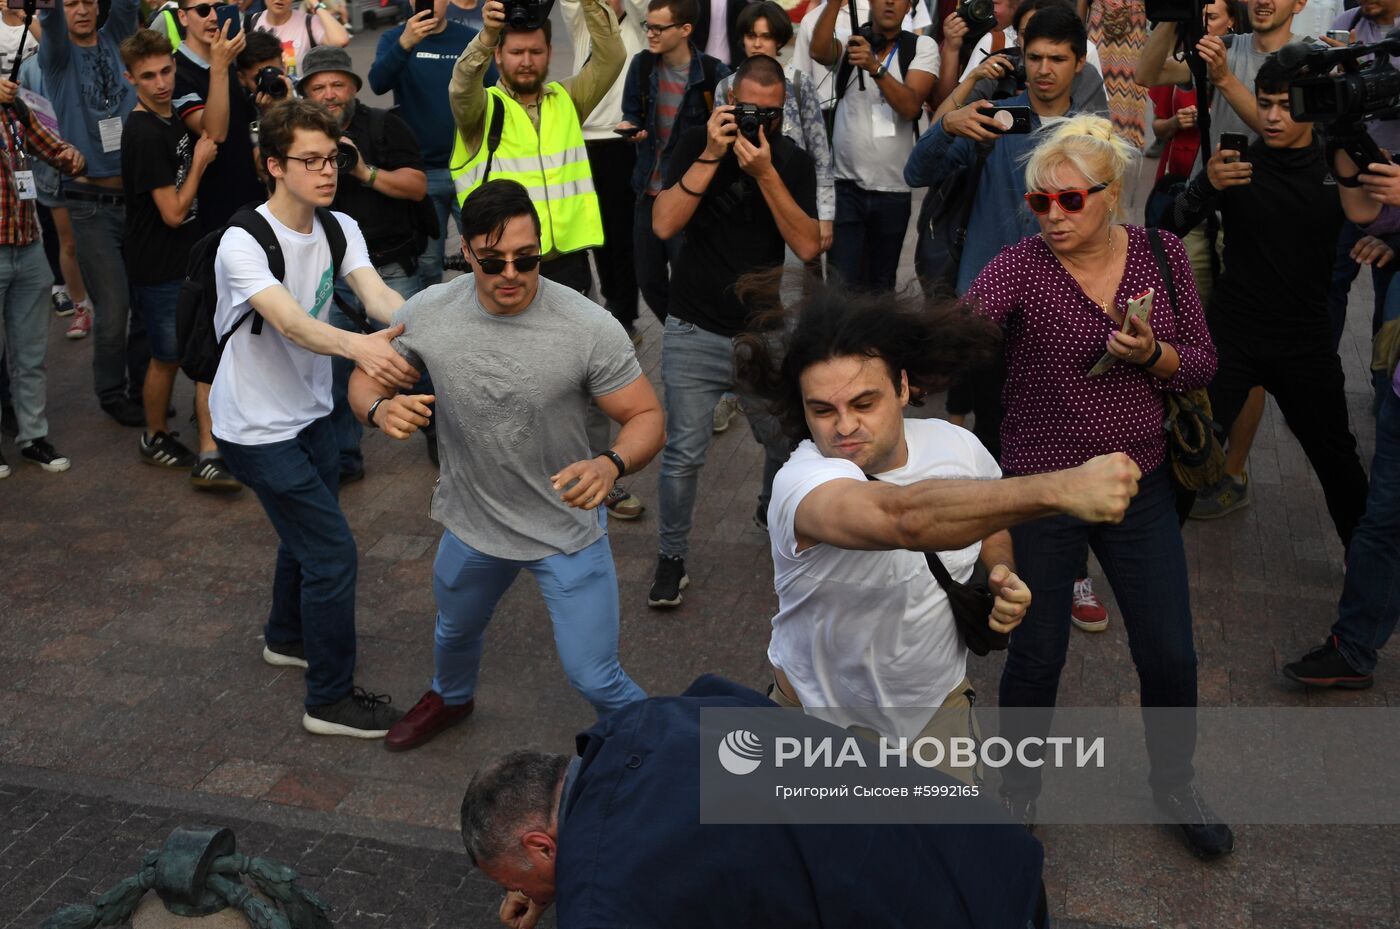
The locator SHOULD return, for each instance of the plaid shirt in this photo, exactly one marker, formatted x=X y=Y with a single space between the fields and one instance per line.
x=19 y=224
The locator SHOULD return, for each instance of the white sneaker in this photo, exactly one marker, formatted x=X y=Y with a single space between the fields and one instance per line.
x=4 y=468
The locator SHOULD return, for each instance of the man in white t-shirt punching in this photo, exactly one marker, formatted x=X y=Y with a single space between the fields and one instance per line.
x=271 y=402
x=863 y=627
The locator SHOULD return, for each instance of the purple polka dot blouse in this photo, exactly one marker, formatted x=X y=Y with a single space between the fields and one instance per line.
x=1056 y=415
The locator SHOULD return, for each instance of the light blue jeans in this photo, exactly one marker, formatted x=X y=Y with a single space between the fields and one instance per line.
x=580 y=590
x=25 y=280
x=443 y=193
x=697 y=369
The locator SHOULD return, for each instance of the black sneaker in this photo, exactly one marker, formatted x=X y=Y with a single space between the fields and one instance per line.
x=1324 y=666
x=1020 y=812
x=9 y=425
x=127 y=412
x=668 y=583
x=165 y=451
x=1205 y=834
x=43 y=454
x=351 y=475
x=212 y=476
x=284 y=654
x=360 y=714
x=760 y=517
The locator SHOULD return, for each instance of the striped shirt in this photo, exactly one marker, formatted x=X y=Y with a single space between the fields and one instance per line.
x=670 y=90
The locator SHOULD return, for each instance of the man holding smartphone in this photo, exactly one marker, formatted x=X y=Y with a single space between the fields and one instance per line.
x=1268 y=313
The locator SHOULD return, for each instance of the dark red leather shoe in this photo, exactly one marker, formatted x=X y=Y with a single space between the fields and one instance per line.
x=428 y=717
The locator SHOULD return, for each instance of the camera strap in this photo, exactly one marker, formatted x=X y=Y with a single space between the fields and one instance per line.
x=493 y=133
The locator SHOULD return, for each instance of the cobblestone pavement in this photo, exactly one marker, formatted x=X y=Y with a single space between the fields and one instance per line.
x=130 y=608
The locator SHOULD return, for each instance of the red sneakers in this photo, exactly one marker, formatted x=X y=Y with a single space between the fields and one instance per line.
x=428 y=717
x=1086 y=611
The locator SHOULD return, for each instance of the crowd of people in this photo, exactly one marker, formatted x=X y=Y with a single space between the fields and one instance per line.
x=207 y=197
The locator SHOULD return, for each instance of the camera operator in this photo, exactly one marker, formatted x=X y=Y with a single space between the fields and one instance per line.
x=1368 y=609
x=1268 y=312
x=741 y=191
x=824 y=76
x=1003 y=74
x=968 y=39
x=881 y=88
x=260 y=71
x=381 y=183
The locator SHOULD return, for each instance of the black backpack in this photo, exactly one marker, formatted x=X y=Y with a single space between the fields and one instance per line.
x=200 y=343
x=908 y=43
x=942 y=227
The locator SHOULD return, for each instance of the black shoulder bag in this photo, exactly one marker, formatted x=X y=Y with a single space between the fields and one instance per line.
x=971 y=603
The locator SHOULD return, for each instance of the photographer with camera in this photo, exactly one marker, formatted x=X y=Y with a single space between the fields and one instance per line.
x=881 y=87
x=1268 y=313
x=260 y=70
x=973 y=31
x=742 y=193
x=163 y=169
x=824 y=75
x=382 y=186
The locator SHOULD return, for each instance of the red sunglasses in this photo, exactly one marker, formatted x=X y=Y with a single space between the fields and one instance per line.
x=1071 y=201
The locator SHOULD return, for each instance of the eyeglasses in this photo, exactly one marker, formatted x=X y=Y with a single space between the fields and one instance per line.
x=655 y=29
x=523 y=264
x=1071 y=201
x=202 y=9
x=317 y=163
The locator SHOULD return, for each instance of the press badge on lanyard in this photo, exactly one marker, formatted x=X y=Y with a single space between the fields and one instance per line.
x=20 y=166
x=882 y=122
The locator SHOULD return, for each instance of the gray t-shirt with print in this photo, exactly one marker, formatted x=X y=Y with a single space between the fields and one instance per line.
x=512 y=392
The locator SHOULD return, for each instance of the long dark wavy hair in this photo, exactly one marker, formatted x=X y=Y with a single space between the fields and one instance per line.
x=932 y=341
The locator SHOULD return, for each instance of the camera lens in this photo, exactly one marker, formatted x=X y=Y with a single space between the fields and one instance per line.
x=270 y=82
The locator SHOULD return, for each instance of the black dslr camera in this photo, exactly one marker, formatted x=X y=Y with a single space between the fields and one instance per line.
x=527 y=15
x=1015 y=82
x=1345 y=102
x=750 y=117
x=271 y=81
x=979 y=15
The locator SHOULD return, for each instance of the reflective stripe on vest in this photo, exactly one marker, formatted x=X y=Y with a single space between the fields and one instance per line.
x=551 y=164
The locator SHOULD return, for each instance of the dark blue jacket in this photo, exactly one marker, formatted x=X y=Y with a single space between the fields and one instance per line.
x=694 y=109
x=632 y=851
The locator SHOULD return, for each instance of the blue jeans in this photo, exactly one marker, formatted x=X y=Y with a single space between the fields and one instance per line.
x=313 y=589
x=653 y=259
x=25 y=280
x=348 y=430
x=868 y=236
x=1145 y=563
x=155 y=304
x=443 y=193
x=1344 y=271
x=697 y=368
x=1370 y=603
x=119 y=351
x=580 y=590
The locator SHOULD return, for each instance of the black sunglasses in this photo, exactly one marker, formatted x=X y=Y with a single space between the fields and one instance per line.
x=202 y=9
x=524 y=264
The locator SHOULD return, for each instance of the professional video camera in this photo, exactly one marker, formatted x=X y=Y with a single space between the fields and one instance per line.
x=1345 y=102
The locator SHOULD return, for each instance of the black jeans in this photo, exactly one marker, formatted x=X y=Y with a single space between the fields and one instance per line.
x=1305 y=378
x=1145 y=562
x=868 y=236
x=611 y=162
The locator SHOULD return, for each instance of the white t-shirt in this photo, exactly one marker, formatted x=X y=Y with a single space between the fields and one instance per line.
x=871 y=142
x=983 y=48
x=824 y=77
x=9 y=44
x=268 y=388
x=295 y=41
x=865 y=630
x=717 y=43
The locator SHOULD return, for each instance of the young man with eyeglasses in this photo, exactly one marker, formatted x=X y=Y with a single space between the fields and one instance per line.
x=516 y=361
x=670 y=88
x=271 y=404
x=82 y=70
x=741 y=204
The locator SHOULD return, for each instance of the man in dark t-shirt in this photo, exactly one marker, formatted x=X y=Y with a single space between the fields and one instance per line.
x=741 y=203
x=163 y=165
x=210 y=99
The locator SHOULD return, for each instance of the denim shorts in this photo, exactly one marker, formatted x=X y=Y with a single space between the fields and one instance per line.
x=156 y=304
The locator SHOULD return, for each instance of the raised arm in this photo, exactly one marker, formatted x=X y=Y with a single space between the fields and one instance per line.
x=940 y=515
x=825 y=49
x=1155 y=66
x=466 y=91
x=605 y=62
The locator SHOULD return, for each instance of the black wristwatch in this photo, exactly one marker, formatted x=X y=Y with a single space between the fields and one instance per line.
x=616 y=459
x=373 y=408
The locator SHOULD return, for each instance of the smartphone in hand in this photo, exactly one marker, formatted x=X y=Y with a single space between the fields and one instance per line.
x=1234 y=142
x=1139 y=308
x=229 y=13
x=1013 y=120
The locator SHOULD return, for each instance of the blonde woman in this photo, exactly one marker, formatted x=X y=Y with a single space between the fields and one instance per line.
x=1061 y=297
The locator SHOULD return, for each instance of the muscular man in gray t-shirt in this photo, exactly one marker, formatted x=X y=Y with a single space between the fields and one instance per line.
x=515 y=360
